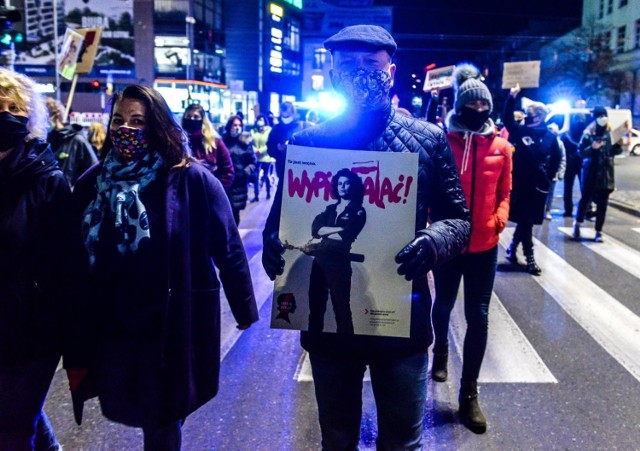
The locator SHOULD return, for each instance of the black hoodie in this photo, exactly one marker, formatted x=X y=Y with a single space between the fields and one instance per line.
x=72 y=150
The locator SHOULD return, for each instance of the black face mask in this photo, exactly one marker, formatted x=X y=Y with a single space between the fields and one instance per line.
x=13 y=129
x=473 y=119
x=192 y=125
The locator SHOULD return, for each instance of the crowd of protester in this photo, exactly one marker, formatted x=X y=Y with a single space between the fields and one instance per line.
x=142 y=216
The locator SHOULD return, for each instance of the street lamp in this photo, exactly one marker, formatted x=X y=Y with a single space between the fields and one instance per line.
x=190 y=21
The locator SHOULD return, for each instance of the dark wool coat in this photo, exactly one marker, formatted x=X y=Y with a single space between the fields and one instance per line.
x=536 y=161
x=440 y=202
x=244 y=165
x=72 y=150
x=167 y=365
x=598 y=172
x=35 y=240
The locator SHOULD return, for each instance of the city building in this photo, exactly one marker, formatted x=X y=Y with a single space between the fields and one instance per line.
x=602 y=56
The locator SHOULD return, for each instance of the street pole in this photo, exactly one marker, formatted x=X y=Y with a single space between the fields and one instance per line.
x=55 y=47
x=190 y=20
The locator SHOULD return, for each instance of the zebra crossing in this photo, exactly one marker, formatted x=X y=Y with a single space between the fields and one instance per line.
x=511 y=358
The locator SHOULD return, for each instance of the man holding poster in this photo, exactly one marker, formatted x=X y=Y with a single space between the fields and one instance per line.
x=363 y=73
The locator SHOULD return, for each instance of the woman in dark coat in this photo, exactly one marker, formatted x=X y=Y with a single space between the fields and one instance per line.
x=206 y=144
x=154 y=224
x=597 y=179
x=240 y=147
x=36 y=241
x=536 y=161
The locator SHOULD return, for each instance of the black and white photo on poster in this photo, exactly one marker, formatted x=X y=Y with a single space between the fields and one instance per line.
x=345 y=215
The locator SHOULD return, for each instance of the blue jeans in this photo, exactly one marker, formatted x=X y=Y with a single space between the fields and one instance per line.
x=23 y=389
x=400 y=390
x=479 y=271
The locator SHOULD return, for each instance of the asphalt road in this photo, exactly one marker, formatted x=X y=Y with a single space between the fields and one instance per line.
x=562 y=370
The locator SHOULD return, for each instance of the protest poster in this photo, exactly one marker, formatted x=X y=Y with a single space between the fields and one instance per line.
x=345 y=215
x=89 y=49
x=440 y=78
x=71 y=46
x=524 y=73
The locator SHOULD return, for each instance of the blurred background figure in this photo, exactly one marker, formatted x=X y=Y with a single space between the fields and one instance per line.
x=535 y=163
x=598 y=177
x=206 y=144
x=244 y=163
x=36 y=238
x=281 y=133
x=154 y=286
x=72 y=150
x=571 y=141
x=96 y=136
x=553 y=128
x=260 y=134
x=311 y=118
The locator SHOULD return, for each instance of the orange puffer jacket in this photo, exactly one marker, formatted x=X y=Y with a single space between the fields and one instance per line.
x=484 y=164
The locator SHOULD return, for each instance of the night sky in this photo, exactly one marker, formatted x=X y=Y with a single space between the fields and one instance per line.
x=449 y=31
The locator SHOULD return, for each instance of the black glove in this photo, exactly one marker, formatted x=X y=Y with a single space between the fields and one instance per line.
x=272 y=260
x=417 y=258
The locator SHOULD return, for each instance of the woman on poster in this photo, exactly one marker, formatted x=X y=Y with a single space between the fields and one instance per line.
x=337 y=227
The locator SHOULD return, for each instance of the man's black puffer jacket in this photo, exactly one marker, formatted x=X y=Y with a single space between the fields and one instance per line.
x=441 y=203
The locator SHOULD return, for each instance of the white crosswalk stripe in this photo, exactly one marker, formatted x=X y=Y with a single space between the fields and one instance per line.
x=610 y=323
x=613 y=250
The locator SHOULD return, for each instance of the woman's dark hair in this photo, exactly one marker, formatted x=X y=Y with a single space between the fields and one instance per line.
x=227 y=126
x=162 y=131
x=356 y=188
x=264 y=118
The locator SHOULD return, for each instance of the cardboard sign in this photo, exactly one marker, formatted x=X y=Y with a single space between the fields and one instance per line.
x=525 y=73
x=71 y=46
x=340 y=274
x=440 y=78
x=89 y=49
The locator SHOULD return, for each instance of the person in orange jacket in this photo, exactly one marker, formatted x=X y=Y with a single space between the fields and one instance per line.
x=484 y=163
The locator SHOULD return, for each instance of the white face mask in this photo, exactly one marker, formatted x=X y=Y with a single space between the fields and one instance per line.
x=602 y=121
x=286 y=120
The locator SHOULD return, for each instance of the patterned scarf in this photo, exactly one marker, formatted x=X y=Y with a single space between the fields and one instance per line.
x=119 y=187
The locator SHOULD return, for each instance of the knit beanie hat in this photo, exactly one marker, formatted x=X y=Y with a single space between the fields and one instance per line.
x=598 y=111
x=468 y=87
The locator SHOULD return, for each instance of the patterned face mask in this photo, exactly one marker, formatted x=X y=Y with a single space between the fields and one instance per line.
x=129 y=142
x=363 y=88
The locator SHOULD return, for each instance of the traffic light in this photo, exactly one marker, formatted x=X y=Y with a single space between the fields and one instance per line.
x=9 y=36
x=95 y=84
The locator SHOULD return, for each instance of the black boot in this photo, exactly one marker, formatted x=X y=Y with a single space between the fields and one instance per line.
x=439 y=371
x=511 y=253
x=470 y=413
x=532 y=266
x=576 y=230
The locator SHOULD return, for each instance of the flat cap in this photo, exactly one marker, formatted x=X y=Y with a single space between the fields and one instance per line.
x=358 y=36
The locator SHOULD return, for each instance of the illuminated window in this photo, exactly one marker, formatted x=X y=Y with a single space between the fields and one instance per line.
x=276 y=10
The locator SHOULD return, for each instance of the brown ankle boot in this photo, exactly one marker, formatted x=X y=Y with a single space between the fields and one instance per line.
x=469 y=411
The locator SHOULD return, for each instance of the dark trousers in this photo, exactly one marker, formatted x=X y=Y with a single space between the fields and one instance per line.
x=572 y=173
x=399 y=388
x=524 y=234
x=478 y=270
x=601 y=199
x=23 y=389
x=329 y=276
x=264 y=167
x=163 y=438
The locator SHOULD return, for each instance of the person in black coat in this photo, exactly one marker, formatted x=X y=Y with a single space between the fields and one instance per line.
x=536 y=161
x=597 y=180
x=72 y=150
x=363 y=73
x=240 y=145
x=156 y=225
x=281 y=133
x=36 y=265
